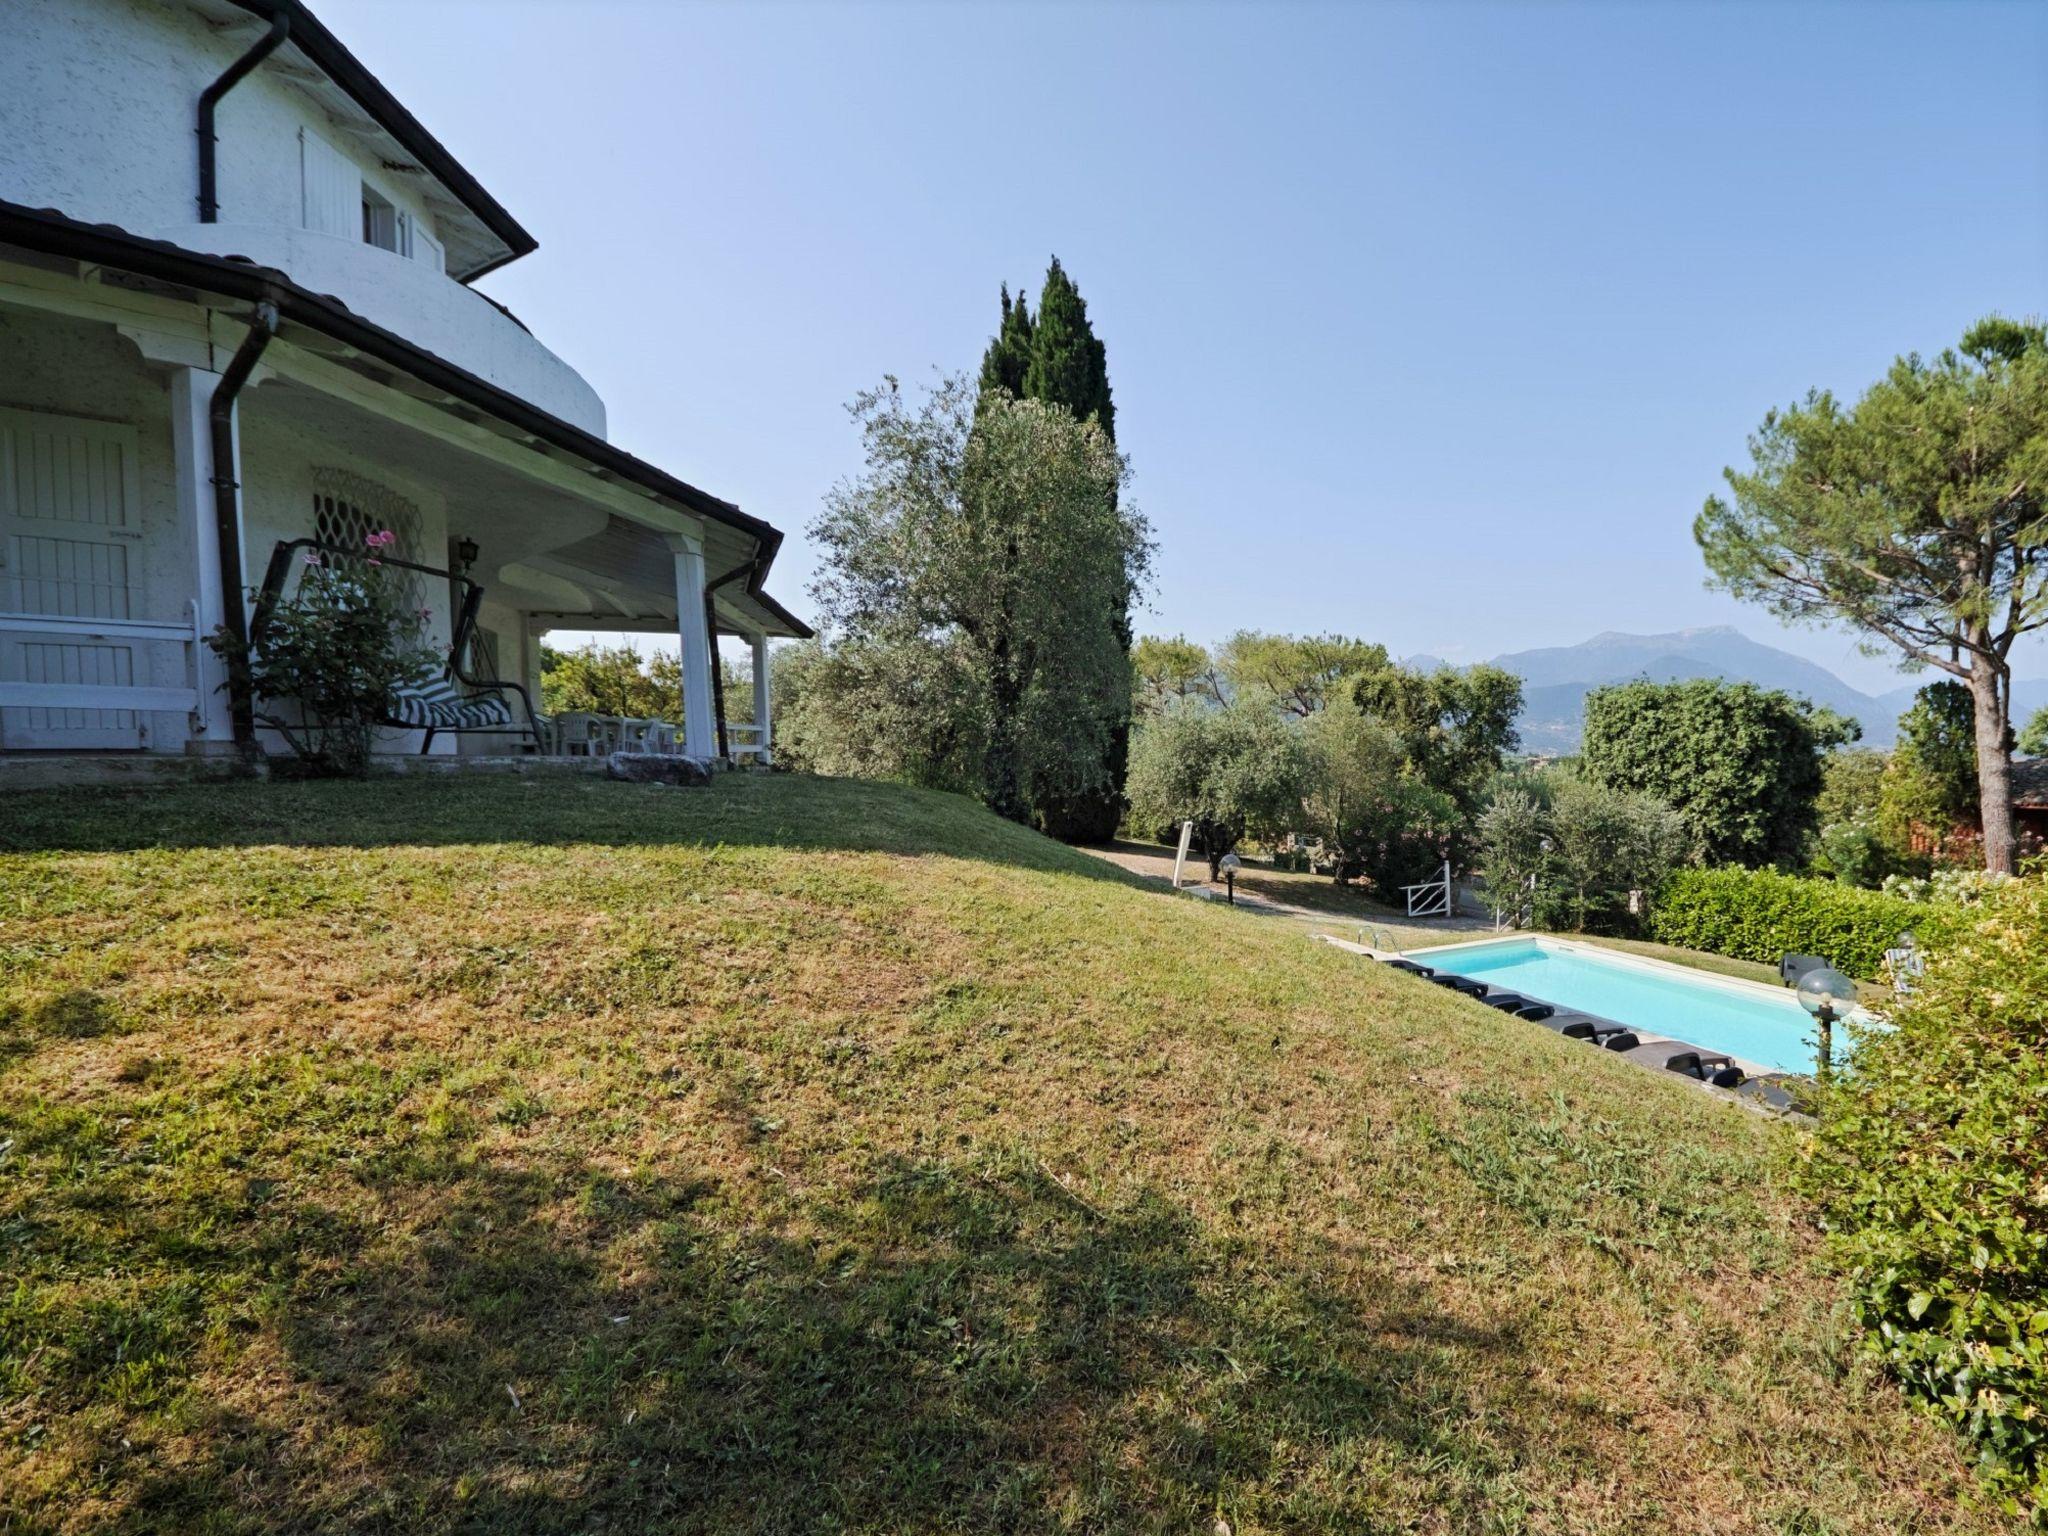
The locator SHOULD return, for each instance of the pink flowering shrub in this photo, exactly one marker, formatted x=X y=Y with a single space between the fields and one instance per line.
x=329 y=657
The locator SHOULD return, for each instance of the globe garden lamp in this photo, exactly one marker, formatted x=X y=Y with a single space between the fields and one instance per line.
x=1828 y=995
x=1230 y=864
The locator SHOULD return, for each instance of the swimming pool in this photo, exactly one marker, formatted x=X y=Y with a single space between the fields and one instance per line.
x=1748 y=1020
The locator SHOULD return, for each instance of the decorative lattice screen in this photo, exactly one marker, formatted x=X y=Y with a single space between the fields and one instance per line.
x=348 y=508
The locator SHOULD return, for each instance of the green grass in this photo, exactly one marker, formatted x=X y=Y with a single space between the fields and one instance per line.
x=556 y=1155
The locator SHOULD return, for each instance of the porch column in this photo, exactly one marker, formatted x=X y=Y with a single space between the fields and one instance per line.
x=700 y=730
x=192 y=464
x=764 y=725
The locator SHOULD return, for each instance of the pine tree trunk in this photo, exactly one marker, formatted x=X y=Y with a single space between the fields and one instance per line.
x=1994 y=768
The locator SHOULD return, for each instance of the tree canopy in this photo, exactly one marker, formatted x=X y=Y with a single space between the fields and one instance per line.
x=1234 y=773
x=2033 y=739
x=1930 y=784
x=1456 y=729
x=992 y=530
x=1916 y=516
x=1056 y=358
x=1293 y=673
x=1170 y=671
x=1741 y=765
x=618 y=680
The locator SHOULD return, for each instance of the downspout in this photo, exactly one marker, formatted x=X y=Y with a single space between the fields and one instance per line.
x=227 y=520
x=269 y=43
x=717 y=667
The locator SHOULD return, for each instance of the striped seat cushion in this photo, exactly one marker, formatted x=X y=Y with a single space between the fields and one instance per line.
x=440 y=705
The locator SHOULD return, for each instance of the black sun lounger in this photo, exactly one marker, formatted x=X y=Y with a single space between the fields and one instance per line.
x=1614 y=1037
x=1410 y=967
x=1720 y=1071
x=1506 y=1002
x=1535 y=1013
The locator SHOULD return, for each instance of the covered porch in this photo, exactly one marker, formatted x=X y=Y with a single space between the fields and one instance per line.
x=132 y=526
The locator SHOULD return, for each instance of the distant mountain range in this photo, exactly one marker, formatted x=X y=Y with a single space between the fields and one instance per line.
x=1556 y=680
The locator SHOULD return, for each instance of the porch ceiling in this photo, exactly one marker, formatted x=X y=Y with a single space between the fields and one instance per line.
x=542 y=547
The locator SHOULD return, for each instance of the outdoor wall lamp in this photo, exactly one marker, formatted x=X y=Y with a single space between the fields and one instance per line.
x=1826 y=994
x=466 y=552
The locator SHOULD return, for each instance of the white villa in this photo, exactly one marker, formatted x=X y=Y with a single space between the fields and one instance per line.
x=236 y=313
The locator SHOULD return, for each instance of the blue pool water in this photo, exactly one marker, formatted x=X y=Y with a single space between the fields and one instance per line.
x=1769 y=1031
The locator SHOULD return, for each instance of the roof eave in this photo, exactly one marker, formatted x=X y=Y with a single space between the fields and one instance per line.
x=311 y=37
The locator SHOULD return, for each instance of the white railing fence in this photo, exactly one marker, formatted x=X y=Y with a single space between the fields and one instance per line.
x=1430 y=898
x=70 y=629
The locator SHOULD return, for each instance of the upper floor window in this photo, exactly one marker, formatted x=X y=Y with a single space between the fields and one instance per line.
x=336 y=200
x=384 y=225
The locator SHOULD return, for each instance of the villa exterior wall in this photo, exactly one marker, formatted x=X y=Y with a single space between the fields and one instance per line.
x=98 y=102
x=100 y=97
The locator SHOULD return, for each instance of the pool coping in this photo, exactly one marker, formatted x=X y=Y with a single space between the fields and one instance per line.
x=1649 y=1038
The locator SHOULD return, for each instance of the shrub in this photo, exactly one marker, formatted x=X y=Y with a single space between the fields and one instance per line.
x=1762 y=915
x=1854 y=852
x=1930 y=1168
x=334 y=654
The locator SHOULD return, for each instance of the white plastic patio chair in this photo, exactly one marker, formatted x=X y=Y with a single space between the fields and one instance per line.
x=578 y=733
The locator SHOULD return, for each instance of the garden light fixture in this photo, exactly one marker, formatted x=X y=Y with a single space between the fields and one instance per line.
x=1828 y=995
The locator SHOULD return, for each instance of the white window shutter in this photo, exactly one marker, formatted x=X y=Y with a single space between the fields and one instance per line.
x=332 y=188
x=427 y=249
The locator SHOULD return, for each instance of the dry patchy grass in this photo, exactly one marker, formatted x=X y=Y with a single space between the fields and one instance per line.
x=798 y=1155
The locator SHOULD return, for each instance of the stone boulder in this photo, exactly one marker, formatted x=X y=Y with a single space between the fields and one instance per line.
x=656 y=768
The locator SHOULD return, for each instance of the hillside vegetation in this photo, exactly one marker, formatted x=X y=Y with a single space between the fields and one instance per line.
x=795 y=1155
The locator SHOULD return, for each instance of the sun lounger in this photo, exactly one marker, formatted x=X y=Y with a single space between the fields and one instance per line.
x=1410 y=967
x=1769 y=1092
x=1613 y=1037
x=1506 y=1002
x=1720 y=1071
x=1535 y=1013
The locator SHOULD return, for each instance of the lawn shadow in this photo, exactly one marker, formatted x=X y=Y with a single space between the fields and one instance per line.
x=951 y=1345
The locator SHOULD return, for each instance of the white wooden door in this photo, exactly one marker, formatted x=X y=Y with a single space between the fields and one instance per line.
x=70 y=545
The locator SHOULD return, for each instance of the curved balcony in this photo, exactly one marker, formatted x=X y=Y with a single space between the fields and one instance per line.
x=415 y=301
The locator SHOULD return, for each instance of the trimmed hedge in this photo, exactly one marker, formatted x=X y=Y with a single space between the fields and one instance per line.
x=1930 y=1168
x=1757 y=914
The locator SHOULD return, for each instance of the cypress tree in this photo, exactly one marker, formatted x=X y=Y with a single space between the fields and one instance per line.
x=1008 y=357
x=1069 y=367
x=1068 y=364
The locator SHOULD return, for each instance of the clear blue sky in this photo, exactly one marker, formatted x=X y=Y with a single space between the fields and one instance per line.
x=1428 y=323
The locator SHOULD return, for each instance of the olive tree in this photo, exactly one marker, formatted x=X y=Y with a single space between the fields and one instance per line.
x=998 y=535
x=1235 y=773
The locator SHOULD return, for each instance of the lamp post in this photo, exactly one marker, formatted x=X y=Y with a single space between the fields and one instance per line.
x=1230 y=864
x=1826 y=994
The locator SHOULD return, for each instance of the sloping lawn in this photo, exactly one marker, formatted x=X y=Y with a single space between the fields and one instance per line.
x=556 y=1155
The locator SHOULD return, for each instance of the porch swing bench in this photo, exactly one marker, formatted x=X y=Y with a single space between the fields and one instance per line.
x=458 y=702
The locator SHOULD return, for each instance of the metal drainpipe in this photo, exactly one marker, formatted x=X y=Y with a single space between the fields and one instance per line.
x=269 y=43
x=717 y=669
x=227 y=520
